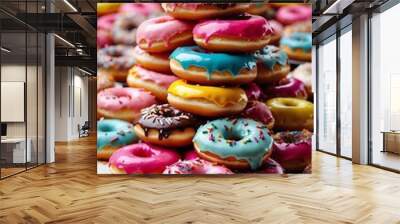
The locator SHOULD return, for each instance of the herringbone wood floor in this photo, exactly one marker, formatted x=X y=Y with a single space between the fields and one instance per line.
x=69 y=191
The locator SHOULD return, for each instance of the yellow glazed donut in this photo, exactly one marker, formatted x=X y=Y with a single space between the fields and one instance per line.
x=206 y=101
x=107 y=8
x=292 y=113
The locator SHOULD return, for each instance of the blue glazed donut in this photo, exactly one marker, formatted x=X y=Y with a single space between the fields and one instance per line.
x=113 y=134
x=272 y=64
x=236 y=143
x=195 y=64
x=298 y=46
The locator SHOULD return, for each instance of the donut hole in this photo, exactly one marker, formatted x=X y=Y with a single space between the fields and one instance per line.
x=239 y=17
x=233 y=136
x=130 y=27
x=143 y=153
x=106 y=129
x=294 y=11
x=289 y=104
x=116 y=54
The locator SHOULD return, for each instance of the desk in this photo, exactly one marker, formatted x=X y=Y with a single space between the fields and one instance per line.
x=15 y=148
x=391 y=141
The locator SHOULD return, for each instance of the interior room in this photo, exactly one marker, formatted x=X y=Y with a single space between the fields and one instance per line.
x=49 y=137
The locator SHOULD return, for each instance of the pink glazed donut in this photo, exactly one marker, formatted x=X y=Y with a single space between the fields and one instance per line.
x=242 y=33
x=196 y=166
x=277 y=34
x=154 y=82
x=145 y=9
x=104 y=26
x=163 y=34
x=103 y=39
x=289 y=87
x=123 y=103
x=141 y=158
x=106 y=22
x=295 y=13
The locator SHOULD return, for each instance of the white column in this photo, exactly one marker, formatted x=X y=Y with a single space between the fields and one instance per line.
x=360 y=90
x=50 y=99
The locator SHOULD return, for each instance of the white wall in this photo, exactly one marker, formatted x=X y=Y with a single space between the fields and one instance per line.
x=71 y=94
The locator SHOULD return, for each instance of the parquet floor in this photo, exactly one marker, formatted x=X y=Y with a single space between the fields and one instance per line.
x=69 y=191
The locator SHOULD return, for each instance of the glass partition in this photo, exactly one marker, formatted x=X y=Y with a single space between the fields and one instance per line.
x=14 y=153
x=327 y=96
x=22 y=89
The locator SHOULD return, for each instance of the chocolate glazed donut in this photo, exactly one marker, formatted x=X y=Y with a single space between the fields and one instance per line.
x=167 y=126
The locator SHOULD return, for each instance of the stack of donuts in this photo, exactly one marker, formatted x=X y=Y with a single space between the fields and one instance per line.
x=205 y=88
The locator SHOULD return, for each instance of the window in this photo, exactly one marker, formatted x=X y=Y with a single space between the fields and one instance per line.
x=346 y=92
x=327 y=96
x=385 y=89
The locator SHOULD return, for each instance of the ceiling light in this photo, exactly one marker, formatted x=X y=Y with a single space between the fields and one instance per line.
x=5 y=49
x=64 y=40
x=84 y=71
x=70 y=5
x=337 y=7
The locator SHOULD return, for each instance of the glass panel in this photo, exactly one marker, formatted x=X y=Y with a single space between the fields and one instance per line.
x=31 y=99
x=327 y=96
x=13 y=77
x=346 y=94
x=32 y=89
x=41 y=99
x=385 y=84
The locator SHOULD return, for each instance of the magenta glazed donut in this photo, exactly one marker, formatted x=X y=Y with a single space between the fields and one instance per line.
x=288 y=15
x=242 y=33
x=271 y=167
x=141 y=158
x=289 y=87
x=292 y=150
x=258 y=111
x=191 y=154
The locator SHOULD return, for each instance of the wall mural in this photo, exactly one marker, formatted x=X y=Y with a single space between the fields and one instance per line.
x=204 y=88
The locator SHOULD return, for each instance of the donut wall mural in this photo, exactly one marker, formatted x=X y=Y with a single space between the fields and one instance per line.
x=204 y=88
